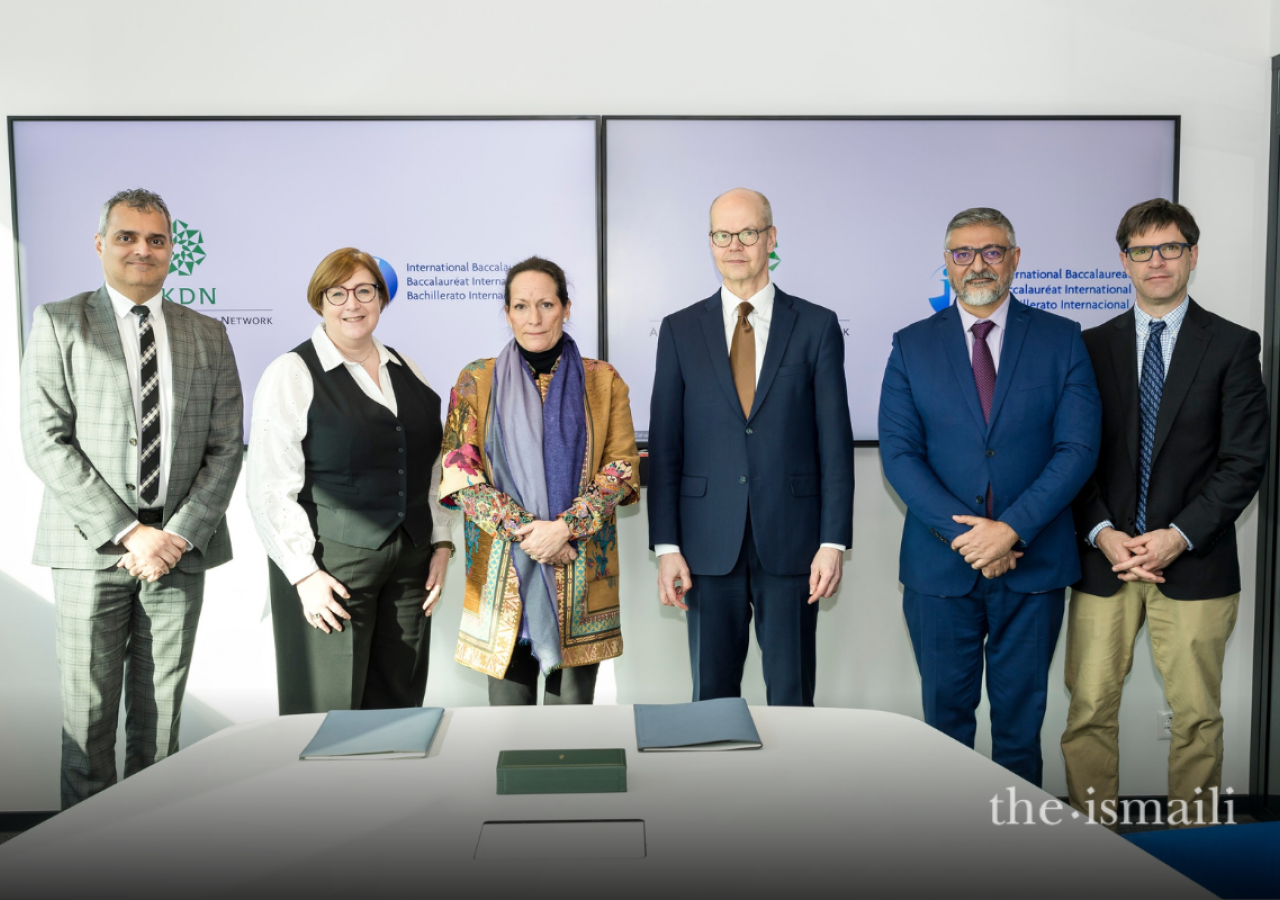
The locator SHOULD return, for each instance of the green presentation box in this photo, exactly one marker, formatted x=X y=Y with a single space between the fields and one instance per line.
x=562 y=771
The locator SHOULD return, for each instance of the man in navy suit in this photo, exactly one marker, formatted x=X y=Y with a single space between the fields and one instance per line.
x=750 y=465
x=989 y=425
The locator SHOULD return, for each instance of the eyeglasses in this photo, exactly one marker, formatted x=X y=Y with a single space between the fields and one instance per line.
x=365 y=293
x=992 y=253
x=1170 y=250
x=746 y=237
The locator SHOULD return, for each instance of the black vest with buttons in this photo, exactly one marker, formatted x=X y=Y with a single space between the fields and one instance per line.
x=368 y=471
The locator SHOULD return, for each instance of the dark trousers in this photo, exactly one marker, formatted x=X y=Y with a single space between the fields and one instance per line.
x=1017 y=634
x=720 y=611
x=564 y=687
x=379 y=659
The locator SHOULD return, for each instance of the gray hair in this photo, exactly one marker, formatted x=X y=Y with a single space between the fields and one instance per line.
x=134 y=198
x=980 y=215
x=764 y=203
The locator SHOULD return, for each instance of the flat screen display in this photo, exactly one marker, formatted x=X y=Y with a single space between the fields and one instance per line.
x=447 y=205
x=861 y=208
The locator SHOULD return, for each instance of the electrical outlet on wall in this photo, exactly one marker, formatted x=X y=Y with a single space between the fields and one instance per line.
x=1164 y=725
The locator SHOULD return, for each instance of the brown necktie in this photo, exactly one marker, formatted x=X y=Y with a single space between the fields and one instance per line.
x=742 y=358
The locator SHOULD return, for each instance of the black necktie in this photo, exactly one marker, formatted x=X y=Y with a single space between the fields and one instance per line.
x=149 y=384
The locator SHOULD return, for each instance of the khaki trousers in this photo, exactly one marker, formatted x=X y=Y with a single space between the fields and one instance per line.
x=1188 y=643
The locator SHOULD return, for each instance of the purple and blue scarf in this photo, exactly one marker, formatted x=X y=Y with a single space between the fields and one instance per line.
x=535 y=451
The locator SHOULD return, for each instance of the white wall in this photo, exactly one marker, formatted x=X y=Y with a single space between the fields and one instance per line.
x=1208 y=62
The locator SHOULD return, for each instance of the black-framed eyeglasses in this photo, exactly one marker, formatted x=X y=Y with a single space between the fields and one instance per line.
x=365 y=293
x=991 y=253
x=746 y=237
x=1171 y=250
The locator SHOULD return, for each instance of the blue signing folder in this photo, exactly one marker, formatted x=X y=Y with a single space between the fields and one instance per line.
x=723 y=724
x=374 y=734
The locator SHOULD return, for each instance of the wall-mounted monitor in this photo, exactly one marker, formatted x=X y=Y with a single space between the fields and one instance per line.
x=861 y=208
x=448 y=204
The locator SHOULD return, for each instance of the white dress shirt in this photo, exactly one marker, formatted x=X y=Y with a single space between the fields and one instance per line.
x=277 y=466
x=130 y=326
x=995 y=337
x=759 y=318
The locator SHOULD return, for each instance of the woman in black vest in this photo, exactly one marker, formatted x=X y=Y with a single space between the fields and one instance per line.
x=344 y=469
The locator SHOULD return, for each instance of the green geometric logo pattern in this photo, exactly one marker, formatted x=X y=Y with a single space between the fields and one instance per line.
x=774 y=259
x=188 y=248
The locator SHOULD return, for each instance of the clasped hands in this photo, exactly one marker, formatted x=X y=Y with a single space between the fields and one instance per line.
x=152 y=553
x=987 y=546
x=1141 y=558
x=546 y=542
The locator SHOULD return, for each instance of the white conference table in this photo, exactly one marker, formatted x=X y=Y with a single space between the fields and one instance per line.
x=838 y=803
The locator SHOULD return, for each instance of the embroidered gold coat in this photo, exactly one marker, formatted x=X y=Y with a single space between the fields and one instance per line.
x=587 y=588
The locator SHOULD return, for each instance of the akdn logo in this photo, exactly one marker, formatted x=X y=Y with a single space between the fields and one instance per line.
x=188 y=248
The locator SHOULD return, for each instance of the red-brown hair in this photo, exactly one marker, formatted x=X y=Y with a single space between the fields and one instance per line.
x=336 y=268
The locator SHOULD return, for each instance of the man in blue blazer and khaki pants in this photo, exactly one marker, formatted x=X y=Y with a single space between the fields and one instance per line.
x=750 y=465
x=989 y=425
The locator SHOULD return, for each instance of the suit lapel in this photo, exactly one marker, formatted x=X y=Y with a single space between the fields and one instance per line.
x=182 y=354
x=781 y=324
x=1124 y=359
x=1193 y=341
x=106 y=335
x=713 y=332
x=1016 y=325
x=950 y=332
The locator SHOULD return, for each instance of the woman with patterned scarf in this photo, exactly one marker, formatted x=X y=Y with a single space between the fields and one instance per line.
x=539 y=450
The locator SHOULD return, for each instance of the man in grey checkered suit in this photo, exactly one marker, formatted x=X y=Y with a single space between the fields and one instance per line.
x=132 y=417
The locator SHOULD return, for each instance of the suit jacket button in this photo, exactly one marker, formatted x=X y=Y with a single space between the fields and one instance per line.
x=133 y=442
x=990 y=453
x=979 y=499
x=128 y=487
x=749 y=431
x=742 y=479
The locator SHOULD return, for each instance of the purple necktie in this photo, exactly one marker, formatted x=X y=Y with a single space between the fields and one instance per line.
x=984 y=376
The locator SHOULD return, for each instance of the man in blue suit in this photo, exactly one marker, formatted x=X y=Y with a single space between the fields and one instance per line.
x=750 y=465
x=989 y=425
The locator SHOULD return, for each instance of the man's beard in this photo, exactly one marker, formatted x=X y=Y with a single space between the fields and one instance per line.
x=982 y=296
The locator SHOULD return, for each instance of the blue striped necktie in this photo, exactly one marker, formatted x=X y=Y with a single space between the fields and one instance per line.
x=1150 y=386
x=149 y=389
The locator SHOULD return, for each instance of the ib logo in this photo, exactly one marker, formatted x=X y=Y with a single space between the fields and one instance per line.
x=939 y=280
x=389 y=276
